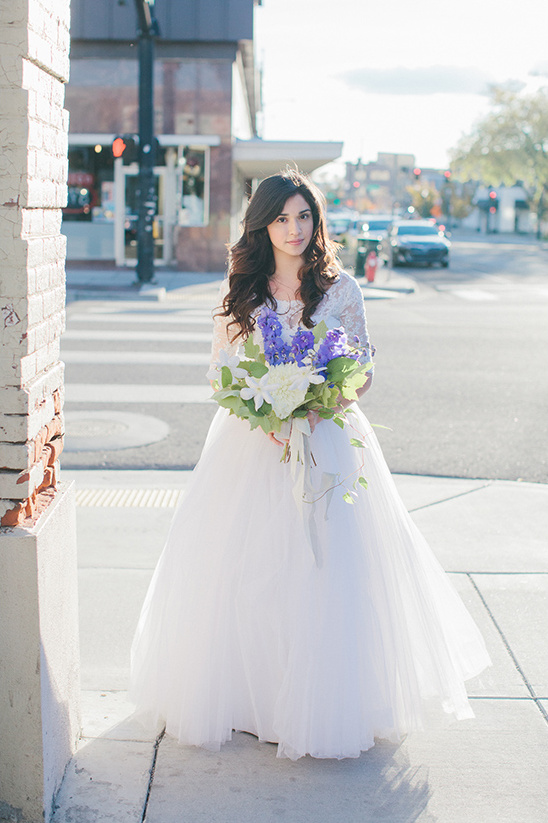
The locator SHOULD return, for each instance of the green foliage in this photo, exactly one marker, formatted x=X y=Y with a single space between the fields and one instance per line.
x=509 y=145
x=319 y=331
x=252 y=350
x=347 y=497
x=226 y=377
x=423 y=198
x=257 y=369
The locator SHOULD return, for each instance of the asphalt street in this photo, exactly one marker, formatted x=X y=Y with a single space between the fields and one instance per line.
x=460 y=379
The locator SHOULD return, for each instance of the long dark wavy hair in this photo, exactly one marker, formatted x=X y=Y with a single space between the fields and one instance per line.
x=251 y=259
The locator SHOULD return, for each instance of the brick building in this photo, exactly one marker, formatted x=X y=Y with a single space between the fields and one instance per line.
x=207 y=94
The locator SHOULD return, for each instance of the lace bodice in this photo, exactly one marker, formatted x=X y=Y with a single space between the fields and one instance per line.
x=342 y=305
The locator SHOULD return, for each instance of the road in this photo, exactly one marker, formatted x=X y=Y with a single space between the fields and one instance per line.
x=461 y=376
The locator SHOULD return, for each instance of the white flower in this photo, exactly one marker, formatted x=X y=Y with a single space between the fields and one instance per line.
x=305 y=377
x=259 y=389
x=290 y=389
x=231 y=362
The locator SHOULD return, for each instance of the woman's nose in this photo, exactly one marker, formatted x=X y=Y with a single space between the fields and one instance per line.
x=294 y=228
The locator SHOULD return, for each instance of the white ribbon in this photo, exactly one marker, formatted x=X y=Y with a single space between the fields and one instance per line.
x=305 y=495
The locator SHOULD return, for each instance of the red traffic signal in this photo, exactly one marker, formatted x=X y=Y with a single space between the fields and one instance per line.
x=493 y=195
x=118 y=147
x=126 y=147
x=417 y=173
x=447 y=175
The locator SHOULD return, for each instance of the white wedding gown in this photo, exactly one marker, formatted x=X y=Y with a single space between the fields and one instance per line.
x=246 y=627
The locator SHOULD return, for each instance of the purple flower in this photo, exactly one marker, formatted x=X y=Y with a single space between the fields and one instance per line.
x=276 y=350
x=334 y=344
x=301 y=344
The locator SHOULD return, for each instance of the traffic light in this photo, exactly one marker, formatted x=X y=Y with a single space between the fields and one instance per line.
x=417 y=173
x=126 y=146
x=447 y=175
x=493 y=202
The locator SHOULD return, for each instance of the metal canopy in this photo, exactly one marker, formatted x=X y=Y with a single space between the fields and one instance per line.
x=259 y=158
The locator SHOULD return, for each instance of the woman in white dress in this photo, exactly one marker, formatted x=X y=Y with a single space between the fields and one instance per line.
x=248 y=626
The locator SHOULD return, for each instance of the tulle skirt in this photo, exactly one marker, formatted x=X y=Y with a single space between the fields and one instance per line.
x=319 y=640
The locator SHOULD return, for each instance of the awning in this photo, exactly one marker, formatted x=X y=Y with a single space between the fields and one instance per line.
x=260 y=158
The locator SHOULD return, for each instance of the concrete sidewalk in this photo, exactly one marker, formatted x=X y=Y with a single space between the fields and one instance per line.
x=491 y=538
x=120 y=284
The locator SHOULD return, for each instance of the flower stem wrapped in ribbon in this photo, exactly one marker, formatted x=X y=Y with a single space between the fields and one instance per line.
x=281 y=384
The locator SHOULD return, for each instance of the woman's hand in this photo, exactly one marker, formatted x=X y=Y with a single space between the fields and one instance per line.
x=278 y=441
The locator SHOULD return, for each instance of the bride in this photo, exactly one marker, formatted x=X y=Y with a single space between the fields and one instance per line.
x=244 y=626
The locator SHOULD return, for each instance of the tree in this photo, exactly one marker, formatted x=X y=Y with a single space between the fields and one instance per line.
x=509 y=145
x=424 y=198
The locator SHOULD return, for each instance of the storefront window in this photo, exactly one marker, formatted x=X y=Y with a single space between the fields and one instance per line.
x=194 y=200
x=90 y=184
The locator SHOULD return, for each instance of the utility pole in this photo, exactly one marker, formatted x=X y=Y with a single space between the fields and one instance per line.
x=146 y=192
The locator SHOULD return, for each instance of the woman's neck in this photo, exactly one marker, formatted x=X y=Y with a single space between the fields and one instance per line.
x=285 y=280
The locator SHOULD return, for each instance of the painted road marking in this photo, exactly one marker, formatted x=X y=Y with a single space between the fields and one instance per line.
x=137 y=393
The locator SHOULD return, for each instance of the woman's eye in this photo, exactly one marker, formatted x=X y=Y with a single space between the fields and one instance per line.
x=281 y=220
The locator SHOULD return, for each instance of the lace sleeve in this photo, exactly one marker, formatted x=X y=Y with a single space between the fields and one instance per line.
x=353 y=316
x=220 y=329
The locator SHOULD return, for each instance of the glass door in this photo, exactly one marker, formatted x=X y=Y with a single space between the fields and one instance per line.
x=127 y=230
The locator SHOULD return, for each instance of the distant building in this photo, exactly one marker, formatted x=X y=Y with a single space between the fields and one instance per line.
x=380 y=185
x=207 y=95
x=502 y=209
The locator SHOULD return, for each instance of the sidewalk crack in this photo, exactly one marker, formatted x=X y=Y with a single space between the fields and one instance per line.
x=151 y=773
x=452 y=497
x=536 y=699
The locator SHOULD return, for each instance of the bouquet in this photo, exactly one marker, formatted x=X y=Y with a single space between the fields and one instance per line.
x=276 y=389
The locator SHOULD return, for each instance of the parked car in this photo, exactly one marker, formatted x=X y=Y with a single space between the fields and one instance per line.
x=343 y=228
x=369 y=238
x=415 y=242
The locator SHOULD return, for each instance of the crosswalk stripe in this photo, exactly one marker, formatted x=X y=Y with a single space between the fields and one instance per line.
x=90 y=393
x=474 y=294
x=143 y=335
x=139 y=318
x=136 y=498
x=142 y=358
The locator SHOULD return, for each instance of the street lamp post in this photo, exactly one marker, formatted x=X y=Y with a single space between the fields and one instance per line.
x=146 y=191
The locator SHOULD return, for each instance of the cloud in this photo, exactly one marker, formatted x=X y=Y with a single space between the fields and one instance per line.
x=422 y=80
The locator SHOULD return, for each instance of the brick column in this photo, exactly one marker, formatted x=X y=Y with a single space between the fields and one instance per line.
x=38 y=591
x=33 y=171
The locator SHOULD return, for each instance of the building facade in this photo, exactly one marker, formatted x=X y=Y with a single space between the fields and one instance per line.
x=206 y=98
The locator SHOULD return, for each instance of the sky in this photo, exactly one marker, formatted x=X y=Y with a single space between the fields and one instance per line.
x=403 y=76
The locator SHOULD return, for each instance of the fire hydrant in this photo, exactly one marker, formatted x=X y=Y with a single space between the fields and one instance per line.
x=371 y=263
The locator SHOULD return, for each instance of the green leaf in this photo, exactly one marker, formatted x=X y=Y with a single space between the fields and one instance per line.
x=319 y=331
x=234 y=403
x=228 y=392
x=349 y=393
x=357 y=443
x=362 y=481
x=347 y=497
x=257 y=369
x=339 y=422
x=340 y=367
x=226 y=377
x=379 y=426
x=251 y=349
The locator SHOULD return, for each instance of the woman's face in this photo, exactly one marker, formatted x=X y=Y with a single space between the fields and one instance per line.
x=291 y=232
